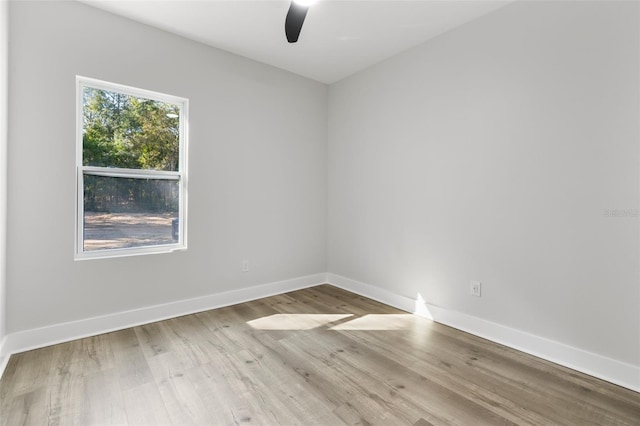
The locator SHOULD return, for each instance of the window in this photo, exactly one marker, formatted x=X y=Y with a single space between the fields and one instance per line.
x=131 y=170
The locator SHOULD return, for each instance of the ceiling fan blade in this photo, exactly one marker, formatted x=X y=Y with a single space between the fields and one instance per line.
x=294 y=21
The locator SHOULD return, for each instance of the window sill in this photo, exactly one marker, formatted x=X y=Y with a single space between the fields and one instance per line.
x=127 y=252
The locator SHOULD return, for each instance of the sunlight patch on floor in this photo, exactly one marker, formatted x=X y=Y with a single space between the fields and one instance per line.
x=295 y=321
x=382 y=322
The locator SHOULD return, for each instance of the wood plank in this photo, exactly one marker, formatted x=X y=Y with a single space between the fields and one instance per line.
x=144 y=406
x=132 y=367
x=28 y=409
x=103 y=401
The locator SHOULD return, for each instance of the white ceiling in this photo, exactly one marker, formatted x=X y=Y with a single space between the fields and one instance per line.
x=339 y=37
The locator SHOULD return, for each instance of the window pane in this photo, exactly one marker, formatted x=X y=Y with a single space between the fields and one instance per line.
x=121 y=130
x=126 y=212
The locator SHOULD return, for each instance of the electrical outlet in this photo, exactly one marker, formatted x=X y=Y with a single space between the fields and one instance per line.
x=245 y=266
x=476 y=288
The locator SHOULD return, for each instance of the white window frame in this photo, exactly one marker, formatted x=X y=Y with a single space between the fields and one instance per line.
x=180 y=176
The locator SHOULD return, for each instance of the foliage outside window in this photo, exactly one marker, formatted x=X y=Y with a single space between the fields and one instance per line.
x=131 y=162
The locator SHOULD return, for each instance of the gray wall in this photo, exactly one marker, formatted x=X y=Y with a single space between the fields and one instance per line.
x=4 y=100
x=257 y=167
x=493 y=153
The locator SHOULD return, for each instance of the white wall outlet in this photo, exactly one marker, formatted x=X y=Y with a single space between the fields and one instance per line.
x=245 y=266
x=476 y=288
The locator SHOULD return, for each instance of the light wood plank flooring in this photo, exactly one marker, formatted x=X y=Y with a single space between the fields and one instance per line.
x=319 y=356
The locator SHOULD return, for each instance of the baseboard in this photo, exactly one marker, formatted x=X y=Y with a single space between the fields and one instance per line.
x=4 y=359
x=611 y=370
x=40 y=337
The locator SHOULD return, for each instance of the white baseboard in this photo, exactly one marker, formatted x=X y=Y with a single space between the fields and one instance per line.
x=40 y=337
x=611 y=370
x=4 y=359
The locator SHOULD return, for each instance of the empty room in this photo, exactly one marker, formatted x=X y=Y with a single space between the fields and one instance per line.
x=277 y=212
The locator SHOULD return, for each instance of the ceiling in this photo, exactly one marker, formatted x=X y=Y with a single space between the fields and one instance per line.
x=339 y=37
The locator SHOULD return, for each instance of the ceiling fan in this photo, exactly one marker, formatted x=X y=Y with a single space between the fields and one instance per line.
x=295 y=18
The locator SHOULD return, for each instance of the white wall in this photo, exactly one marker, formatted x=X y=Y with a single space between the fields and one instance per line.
x=257 y=164
x=4 y=58
x=491 y=153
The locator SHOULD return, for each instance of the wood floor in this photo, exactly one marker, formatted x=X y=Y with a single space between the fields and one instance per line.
x=317 y=356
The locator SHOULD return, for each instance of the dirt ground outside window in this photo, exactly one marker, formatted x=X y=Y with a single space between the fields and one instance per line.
x=122 y=230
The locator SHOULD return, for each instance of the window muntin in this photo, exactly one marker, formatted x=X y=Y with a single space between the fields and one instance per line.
x=131 y=162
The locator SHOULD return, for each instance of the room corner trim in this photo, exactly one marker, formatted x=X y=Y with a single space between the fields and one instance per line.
x=611 y=370
x=4 y=358
x=58 y=333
